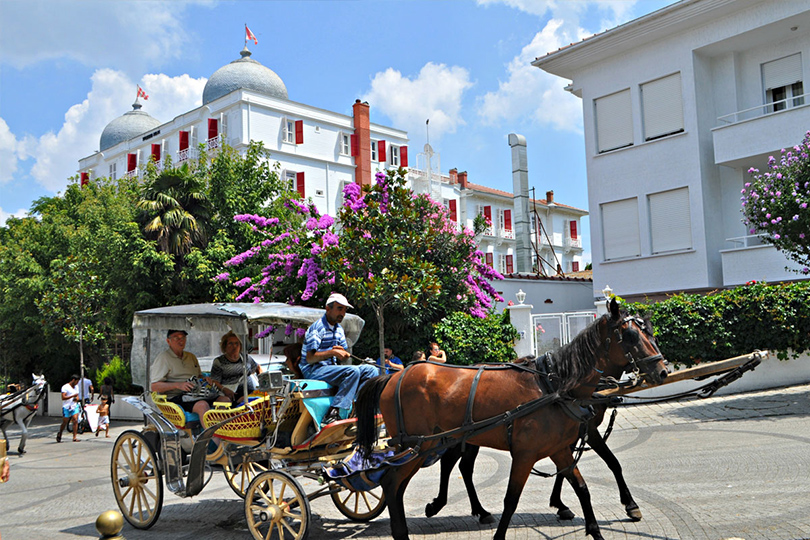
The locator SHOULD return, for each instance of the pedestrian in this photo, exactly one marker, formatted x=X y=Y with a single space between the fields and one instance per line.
x=107 y=390
x=86 y=389
x=104 y=416
x=71 y=402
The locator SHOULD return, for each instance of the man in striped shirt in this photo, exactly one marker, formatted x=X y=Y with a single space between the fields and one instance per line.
x=324 y=347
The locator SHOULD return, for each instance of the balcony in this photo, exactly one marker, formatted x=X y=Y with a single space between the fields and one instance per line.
x=759 y=130
x=572 y=243
x=213 y=143
x=751 y=258
x=186 y=154
x=509 y=234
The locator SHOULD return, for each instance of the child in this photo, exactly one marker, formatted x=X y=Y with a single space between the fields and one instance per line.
x=104 y=416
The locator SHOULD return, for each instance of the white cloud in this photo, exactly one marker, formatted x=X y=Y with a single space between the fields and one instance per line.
x=22 y=212
x=535 y=7
x=95 y=33
x=9 y=149
x=57 y=154
x=434 y=94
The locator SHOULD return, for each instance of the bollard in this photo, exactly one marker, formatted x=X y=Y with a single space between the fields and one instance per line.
x=109 y=524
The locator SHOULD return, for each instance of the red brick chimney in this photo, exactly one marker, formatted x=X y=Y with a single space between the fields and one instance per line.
x=453 y=176
x=462 y=179
x=549 y=197
x=362 y=133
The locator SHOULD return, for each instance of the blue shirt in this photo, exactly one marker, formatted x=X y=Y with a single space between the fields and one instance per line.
x=322 y=337
x=393 y=360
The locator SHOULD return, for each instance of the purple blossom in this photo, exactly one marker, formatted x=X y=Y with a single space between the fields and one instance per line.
x=224 y=276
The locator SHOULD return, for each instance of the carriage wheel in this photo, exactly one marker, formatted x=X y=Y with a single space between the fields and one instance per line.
x=360 y=506
x=239 y=475
x=136 y=479
x=276 y=507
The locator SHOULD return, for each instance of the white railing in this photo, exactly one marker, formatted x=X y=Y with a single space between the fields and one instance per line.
x=186 y=154
x=213 y=143
x=573 y=242
x=131 y=174
x=762 y=110
x=489 y=231
x=508 y=233
x=743 y=242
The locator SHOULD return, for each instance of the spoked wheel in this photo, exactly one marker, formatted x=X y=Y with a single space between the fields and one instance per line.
x=239 y=475
x=136 y=479
x=276 y=507
x=360 y=506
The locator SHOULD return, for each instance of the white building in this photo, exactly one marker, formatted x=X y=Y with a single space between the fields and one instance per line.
x=319 y=151
x=677 y=106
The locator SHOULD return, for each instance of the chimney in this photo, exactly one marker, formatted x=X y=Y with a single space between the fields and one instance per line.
x=462 y=179
x=362 y=131
x=520 y=187
x=453 y=176
x=549 y=197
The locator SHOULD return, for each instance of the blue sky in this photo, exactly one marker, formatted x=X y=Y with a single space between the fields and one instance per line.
x=67 y=68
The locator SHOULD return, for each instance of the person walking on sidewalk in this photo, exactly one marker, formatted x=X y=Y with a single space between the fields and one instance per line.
x=70 y=408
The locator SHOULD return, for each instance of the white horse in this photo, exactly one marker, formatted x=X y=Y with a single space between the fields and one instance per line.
x=19 y=408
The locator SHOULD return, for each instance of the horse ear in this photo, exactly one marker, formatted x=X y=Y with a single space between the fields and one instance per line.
x=614 y=308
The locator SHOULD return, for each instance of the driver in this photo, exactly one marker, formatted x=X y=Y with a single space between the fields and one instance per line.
x=324 y=346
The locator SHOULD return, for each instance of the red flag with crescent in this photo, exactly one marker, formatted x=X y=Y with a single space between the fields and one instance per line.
x=249 y=36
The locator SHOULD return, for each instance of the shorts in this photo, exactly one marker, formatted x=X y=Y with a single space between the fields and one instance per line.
x=70 y=410
x=188 y=406
x=103 y=421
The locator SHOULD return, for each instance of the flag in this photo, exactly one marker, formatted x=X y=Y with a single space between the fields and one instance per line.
x=141 y=93
x=249 y=36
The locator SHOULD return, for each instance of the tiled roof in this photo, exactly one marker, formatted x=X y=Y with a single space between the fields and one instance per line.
x=498 y=192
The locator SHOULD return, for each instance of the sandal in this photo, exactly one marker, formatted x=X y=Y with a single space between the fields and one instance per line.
x=58 y=437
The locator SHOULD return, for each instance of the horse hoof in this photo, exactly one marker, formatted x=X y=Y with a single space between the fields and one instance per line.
x=20 y=451
x=431 y=509
x=486 y=519
x=565 y=514
x=633 y=512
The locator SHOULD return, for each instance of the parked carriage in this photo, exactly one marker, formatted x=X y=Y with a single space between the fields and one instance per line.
x=265 y=445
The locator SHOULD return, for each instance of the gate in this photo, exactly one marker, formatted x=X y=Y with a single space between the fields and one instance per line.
x=553 y=330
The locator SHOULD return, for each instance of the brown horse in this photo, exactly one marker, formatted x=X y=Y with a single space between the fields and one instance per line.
x=428 y=399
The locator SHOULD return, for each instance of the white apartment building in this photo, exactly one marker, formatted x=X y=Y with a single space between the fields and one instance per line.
x=677 y=106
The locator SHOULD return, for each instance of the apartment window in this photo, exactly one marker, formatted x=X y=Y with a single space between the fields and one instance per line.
x=662 y=107
x=132 y=162
x=395 y=156
x=502 y=264
x=213 y=128
x=782 y=80
x=488 y=259
x=614 y=121
x=288 y=133
x=374 y=151
x=510 y=265
x=452 y=204
x=156 y=148
x=290 y=178
x=670 y=220
x=113 y=171
x=620 y=231
x=575 y=266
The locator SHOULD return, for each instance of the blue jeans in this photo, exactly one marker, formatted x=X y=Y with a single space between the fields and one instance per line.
x=347 y=379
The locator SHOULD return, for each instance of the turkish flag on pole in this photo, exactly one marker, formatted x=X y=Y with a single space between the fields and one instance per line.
x=249 y=36
x=141 y=93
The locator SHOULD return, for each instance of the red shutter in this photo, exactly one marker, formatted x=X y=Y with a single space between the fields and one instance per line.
x=507 y=221
x=509 y=265
x=575 y=266
x=382 y=156
x=355 y=147
x=403 y=156
x=489 y=259
x=156 y=152
x=85 y=178
x=299 y=132
x=299 y=184
x=184 y=140
x=488 y=214
x=132 y=162
x=453 y=214
x=213 y=128
x=573 y=230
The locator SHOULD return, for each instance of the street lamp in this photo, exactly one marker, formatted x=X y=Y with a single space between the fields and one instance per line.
x=608 y=292
x=521 y=296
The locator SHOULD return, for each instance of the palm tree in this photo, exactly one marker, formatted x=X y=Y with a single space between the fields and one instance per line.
x=175 y=211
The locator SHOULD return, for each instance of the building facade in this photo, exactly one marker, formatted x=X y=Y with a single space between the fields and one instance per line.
x=677 y=106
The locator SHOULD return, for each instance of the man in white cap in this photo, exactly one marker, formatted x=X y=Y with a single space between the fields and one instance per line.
x=324 y=346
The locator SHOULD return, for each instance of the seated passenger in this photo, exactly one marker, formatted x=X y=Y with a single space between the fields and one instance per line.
x=228 y=369
x=435 y=354
x=293 y=354
x=324 y=346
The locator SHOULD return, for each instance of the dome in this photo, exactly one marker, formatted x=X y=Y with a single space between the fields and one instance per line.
x=244 y=73
x=125 y=127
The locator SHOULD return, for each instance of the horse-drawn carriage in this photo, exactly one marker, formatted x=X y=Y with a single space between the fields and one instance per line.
x=262 y=445
x=19 y=407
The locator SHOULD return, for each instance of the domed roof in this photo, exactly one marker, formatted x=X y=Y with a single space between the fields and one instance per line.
x=125 y=127
x=244 y=73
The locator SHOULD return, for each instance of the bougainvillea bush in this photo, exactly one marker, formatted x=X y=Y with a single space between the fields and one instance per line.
x=775 y=203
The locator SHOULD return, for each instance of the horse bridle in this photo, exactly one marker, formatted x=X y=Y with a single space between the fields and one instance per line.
x=632 y=351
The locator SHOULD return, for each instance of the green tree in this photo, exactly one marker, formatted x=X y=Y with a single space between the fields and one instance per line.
x=470 y=340
x=775 y=203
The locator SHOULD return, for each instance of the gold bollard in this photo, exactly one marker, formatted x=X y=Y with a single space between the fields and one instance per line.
x=109 y=524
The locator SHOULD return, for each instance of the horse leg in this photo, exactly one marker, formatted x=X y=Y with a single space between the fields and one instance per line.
x=563 y=460
x=394 y=483
x=22 y=421
x=466 y=467
x=3 y=429
x=447 y=462
x=563 y=512
x=601 y=448
x=519 y=473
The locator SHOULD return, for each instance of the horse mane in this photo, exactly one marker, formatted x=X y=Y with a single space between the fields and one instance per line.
x=575 y=360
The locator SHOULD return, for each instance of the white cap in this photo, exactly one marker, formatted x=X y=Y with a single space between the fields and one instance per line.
x=339 y=298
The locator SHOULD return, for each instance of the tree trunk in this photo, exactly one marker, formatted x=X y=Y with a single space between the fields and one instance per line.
x=378 y=310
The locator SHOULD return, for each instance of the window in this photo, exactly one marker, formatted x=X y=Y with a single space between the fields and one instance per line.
x=510 y=265
x=223 y=122
x=453 y=210
x=213 y=128
x=156 y=152
x=488 y=259
x=620 y=231
x=300 y=186
x=299 y=132
x=395 y=156
x=670 y=220
x=662 y=107
x=381 y=152
x=575 y=266
x=507 y=220
x=373 y=150
x=132 y=162
x=290 y=180
x=345 y=144
x=113 y=172
x=614 y=121
x=572 y=229
x=782 y=80
x=288 y=133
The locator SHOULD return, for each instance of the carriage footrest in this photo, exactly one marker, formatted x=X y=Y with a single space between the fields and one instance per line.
x=360 y=474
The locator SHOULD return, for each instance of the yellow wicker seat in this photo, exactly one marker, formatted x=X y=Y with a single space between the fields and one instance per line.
x=172 y=412
x=249 y=426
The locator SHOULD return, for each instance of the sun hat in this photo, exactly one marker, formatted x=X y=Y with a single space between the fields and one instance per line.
x=339 y=298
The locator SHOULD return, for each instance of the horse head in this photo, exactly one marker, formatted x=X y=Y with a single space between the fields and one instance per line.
x=631 y=344
x=38 y=380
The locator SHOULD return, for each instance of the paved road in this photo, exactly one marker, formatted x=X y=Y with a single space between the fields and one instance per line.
x=733 y=467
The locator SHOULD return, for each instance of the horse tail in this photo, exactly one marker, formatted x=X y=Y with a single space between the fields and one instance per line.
x=366 y=407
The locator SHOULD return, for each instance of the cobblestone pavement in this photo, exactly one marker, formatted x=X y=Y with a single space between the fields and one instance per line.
x=732 y=467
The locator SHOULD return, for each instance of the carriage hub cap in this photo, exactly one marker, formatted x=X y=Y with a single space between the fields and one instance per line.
x=271 y=513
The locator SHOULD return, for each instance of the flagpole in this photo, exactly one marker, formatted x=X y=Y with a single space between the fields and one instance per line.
x=246 y=38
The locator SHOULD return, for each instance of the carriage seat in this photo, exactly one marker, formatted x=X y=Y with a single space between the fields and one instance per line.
x=174 y=413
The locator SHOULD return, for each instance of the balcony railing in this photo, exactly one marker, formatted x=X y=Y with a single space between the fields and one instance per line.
x=508 y=233
x=762 y=110
x=742 y=242
x=213 y=143
x=573 y=242
x=186 y=154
